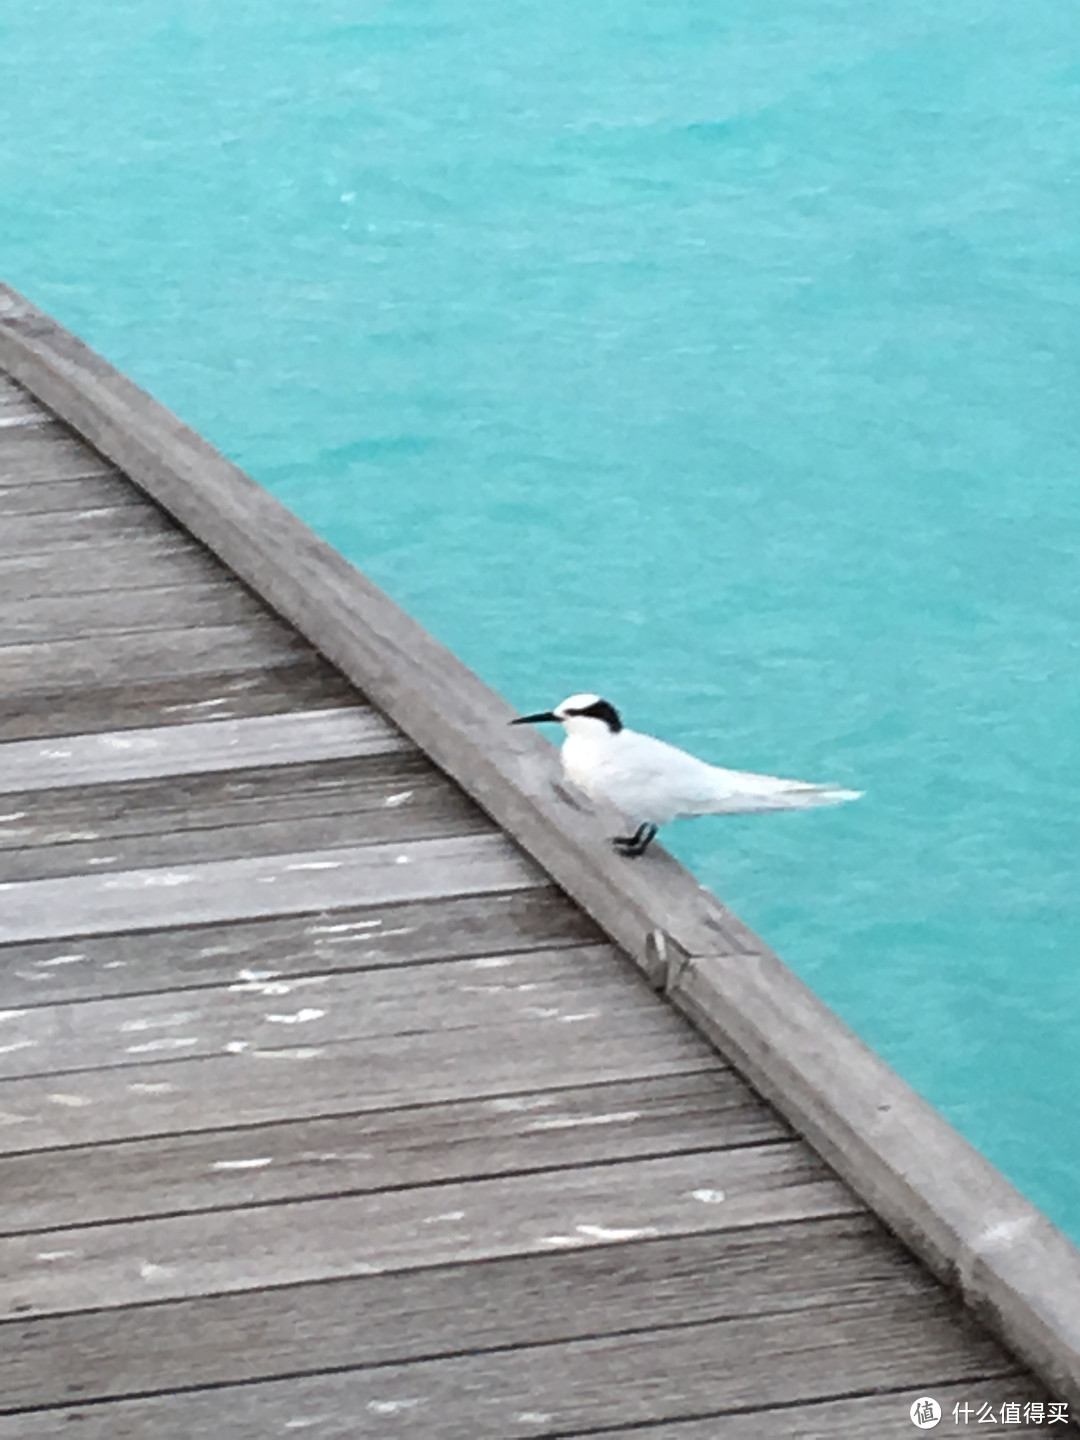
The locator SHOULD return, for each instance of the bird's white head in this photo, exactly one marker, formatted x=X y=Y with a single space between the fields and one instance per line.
x=580 y=714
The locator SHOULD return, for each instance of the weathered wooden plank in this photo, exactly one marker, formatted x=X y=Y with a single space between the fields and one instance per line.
x=251 y=1247
x=211 y=745
x=471 y=926
x=148 y=655
x=46 y=452
x=869 y=1417
x=258 y=1011
x=173 y=607
x=296 y=1080
x=207 y=801
x=137 y=564
x=580 y=1387
x=305 y=684
x=456 y=1309
x=267 y=885
x=430 y=809
x=425 y=1145
x=94 y=492
x=218 y=816
x=70 y=529
x=100 y=524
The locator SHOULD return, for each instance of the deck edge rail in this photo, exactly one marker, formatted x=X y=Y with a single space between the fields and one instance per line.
x=941 y=1197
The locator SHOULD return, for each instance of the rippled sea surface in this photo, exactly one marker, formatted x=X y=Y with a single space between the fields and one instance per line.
x=719 y=356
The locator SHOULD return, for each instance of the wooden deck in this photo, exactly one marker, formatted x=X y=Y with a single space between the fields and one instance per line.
x=323 y=1111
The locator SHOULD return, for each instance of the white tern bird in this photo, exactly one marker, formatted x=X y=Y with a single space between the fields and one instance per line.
x=653 y=782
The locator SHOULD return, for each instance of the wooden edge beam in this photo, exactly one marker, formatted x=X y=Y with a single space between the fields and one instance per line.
x=948 y=1204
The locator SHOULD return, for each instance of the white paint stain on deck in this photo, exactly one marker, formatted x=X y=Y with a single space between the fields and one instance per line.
x=163 y=1022
x=302 y=1052
x=570 y=1122
x=342 y=929
x=255 y=986
x=604 y=1232
x=167 y=1042
x=522 y=1102
x=148 y=1270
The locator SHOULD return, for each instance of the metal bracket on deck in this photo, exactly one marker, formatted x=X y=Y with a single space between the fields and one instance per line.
x=664 y=961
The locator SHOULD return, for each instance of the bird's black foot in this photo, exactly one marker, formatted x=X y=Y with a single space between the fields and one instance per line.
x=636 y=844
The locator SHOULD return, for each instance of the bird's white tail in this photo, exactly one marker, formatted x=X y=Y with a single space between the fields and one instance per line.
x=799 y=797
x=742 y=794
x=824 y=795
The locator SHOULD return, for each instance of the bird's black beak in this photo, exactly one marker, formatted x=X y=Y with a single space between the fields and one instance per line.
x=535 y=719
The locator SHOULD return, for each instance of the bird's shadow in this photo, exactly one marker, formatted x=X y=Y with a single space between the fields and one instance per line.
x=575 y=798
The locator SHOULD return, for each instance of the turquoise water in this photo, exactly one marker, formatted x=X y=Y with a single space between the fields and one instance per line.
x=721 y=357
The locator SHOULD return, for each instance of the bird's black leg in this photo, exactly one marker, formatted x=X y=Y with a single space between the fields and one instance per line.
x=636 y=844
